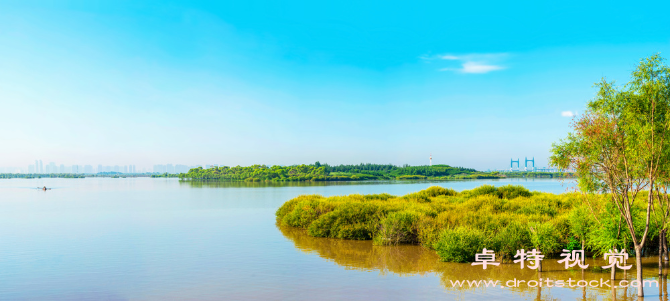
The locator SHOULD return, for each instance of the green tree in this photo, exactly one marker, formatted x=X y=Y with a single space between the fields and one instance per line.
x=544 y=237
x=619 y=146
x=580 y=223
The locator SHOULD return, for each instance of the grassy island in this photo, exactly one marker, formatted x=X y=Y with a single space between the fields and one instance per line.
x=459 y=224
x=325 y=172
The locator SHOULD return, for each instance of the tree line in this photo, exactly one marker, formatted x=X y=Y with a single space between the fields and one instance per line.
x=325 y=172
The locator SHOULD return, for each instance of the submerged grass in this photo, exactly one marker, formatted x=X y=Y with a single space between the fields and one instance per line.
x=457 y=224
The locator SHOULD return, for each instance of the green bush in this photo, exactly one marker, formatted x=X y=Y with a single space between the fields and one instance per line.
x=431 y=192
x=411 y=177
x=456 y=224
x=306 y=211
x=481 y=190
x=460 y=244
x=514 y=236
x=355 y=220
x=512 y=191
x=398 y=227
x=287 y=207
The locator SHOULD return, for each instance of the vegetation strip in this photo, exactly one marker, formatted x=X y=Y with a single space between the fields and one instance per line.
x=460 y=224
x=361 y=172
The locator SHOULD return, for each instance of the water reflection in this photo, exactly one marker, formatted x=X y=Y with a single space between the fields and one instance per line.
x=544 y=185
x=243 y=184
x=409 y=260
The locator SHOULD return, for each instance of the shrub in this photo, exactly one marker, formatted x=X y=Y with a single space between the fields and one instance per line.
x=398 y=227
x=411 y=177
x=512 y=191
x=355 y=220
x=287 y=207
x=431 y=192
x=381 y=196
x=306 y=211
x=481 y=190
x=458 y=225
x=460 y=244
x=515 y=236
x=544 y=236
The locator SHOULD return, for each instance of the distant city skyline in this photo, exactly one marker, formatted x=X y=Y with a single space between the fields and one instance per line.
x=51 y=167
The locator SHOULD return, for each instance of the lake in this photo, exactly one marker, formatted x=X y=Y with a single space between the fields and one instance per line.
x=163 y=239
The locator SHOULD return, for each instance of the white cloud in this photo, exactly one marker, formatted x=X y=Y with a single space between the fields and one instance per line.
x=473 y=63
x=568 y=114
x=449 y=57
x=474 y=67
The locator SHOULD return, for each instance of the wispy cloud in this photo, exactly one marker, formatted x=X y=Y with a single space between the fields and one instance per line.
x=449 y=57
x=568 y=114
x=472 y=63
x=474 y=67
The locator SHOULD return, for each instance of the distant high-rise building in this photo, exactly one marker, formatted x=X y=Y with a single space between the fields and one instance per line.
x=134 y=171
x=125 y=169
x=99 y=168
x=159 y=168
x=62 y=168
x=41 y=167
x=37 y=167
x=170 y=169
x=88 y=169
x=181 y=168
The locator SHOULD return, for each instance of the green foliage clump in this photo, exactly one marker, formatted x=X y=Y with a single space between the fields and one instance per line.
x=503 y=192
x=398 y=227
x=458 y=225
x=411 y=177
x=460 y=244
x=515 y=236
x=350 y=220
x=512 y=192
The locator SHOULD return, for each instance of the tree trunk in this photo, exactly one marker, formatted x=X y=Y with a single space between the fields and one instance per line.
x=660 y=252
x=638 y=267
x=584 y=287
x=584 y=253
x=665 y=245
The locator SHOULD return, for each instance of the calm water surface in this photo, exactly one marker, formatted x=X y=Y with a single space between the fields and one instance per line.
x=162 y=239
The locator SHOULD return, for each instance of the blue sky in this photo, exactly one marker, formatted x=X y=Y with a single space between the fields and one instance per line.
x=290 y=82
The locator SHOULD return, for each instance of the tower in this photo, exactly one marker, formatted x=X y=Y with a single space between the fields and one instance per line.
x=430 y=160
x=511 y=164
x=532 y=160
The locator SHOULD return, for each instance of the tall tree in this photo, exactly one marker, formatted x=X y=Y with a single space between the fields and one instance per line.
x=619 y=146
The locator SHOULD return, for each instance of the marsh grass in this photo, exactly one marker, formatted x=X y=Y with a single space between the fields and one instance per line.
x=459 y=224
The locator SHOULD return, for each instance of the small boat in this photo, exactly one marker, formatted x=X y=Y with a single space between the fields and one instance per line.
x=44 y=188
